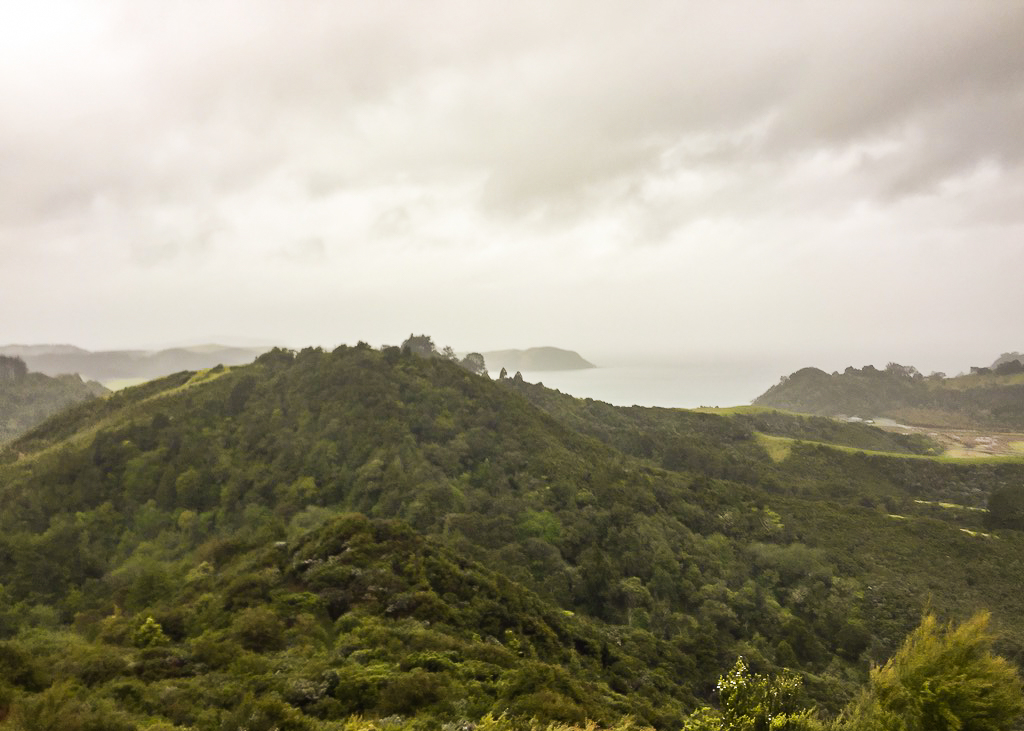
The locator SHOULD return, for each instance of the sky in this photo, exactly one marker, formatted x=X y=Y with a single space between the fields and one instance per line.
x=836 y=183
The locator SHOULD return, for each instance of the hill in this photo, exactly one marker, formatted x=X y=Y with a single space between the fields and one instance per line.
x=988 y=399
x=27 y=399
x=131 y=365
x=316 y=535
x=536 y=359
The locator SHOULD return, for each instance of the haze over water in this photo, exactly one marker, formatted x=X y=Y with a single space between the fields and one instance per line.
x=726 y=379
x=681 y=382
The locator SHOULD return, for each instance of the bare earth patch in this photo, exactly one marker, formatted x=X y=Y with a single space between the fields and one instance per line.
x=966 y=443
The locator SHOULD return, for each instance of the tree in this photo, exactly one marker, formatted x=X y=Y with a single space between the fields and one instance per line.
x=1009 y=368
x=474 y=363
x=902 y=371
x=1006 y=508
x=422 y=345
x=942 y=679
x=150 y=634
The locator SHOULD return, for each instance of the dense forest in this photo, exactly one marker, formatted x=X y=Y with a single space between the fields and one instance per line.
x=389 y=539
x=28 y=398
x=990 y=398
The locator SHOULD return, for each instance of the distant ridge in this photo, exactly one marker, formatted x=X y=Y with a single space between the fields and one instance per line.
x=109 y=365
x=22 y=351
x=536 y=359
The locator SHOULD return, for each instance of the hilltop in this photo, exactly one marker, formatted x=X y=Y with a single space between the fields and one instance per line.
x=322 y=534
x=27 y=398
x=536 y=359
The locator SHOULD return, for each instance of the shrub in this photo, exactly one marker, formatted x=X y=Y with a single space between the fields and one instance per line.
x=942 y=679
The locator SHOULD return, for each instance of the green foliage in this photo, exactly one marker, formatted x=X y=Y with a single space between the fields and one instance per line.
x=150 y=634
x=363 y=531
x=68 y=707
x=899 y=392
x=28 y=399
x=755 y=702
x=474 y=363
x=943 y=678
x=258 y=629
x=1006 y=507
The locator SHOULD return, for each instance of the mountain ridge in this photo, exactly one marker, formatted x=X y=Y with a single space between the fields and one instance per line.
x=111 y=365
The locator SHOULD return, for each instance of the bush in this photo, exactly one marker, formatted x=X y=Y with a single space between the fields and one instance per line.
x=258 y=629
x=942 y=679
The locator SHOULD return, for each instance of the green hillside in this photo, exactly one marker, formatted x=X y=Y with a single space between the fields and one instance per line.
x=27 y=399
x=319 y=535
x=987 y=398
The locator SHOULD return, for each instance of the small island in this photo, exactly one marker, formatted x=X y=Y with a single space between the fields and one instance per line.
x=536 y=359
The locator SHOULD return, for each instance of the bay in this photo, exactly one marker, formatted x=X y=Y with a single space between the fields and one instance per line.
x=676 y=385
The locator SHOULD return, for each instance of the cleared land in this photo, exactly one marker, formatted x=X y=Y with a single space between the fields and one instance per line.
x=965 y=443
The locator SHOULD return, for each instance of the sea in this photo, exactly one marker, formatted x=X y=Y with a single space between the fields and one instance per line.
x=673 y=385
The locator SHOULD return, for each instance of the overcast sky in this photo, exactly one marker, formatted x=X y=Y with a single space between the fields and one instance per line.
x=842 y=181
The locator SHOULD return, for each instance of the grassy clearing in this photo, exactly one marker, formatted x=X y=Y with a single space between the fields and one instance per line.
x=952 y=506
x=781 y=445
x=778 y=448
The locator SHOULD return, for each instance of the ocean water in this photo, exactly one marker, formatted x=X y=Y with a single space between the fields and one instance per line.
x=681 y=385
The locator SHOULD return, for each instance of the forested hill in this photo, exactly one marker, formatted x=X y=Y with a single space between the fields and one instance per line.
x=27 y=398
x=320 y=535
x=536 y=359
x=986 y=398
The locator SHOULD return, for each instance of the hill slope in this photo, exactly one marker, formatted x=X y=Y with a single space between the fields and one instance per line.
x=309 y=535
x=27 y=399
x=982 y=400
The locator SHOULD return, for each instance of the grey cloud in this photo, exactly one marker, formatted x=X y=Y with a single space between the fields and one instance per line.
x=308 y=250
x=548 y=103
x=150 y=255
x=393 y=222
x=485 y=143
